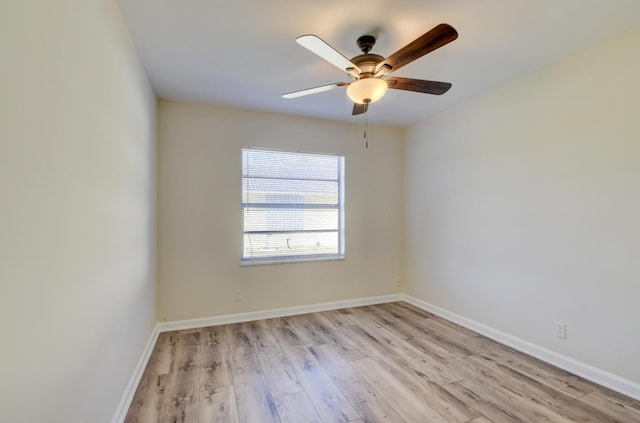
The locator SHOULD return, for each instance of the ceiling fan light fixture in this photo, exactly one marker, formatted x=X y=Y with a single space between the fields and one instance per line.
x=367 y=90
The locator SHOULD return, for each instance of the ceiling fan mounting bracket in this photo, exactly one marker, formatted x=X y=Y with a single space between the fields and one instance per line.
x=366 y=43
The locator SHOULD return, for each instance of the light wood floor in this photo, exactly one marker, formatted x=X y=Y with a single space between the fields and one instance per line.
x=390 y=362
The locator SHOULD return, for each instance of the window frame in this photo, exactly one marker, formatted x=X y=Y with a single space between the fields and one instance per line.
x=340 y=255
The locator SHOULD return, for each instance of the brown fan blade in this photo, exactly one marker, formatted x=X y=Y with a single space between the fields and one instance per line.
x=419 y=85
x=313 y=90
x=436 y=38
x=359 y=109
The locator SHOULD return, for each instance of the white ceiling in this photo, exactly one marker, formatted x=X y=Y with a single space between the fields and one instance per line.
x=243 y=54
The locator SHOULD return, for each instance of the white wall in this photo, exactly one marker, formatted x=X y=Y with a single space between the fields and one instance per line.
x=199 y=212
x=523 y=207
x=77 y=128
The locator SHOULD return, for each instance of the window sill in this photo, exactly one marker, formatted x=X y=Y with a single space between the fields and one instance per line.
x=287 y=260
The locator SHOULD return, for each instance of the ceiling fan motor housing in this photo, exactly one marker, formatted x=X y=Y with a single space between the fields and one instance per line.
x=367 y=64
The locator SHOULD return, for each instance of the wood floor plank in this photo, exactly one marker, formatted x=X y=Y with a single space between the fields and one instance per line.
x=237 y=336
x=310 y=333
x=296 y=408
x=404 y=307
x=523 y=406
x=181 y=395
x=508 y=381
x=218 y=405
x=370 y=404
x=189 y=337
x=446 y=404
x=163 y=353
x=387 y=318
x=286 y=335
x=278 y=372
x=413 y=408
x=216 y=359
x=454 y=334
x=254 y=401
x=483 y=403
x=338 y=336
x=449 y=406
x=405 y=352
x=480 y=419
x=147 y=401
x=527 y=403
x=461 y=332
x=613 y=405
x=330 y=403
x=565 y=382
x=411 y=334
x=434 y=334
x=336 y=318
x=259 y=335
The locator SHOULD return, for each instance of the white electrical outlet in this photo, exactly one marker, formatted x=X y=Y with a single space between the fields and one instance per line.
x=561 y=330
x=236 y=296
x=398 y=281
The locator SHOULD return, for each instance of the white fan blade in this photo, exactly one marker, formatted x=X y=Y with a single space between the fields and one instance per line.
x=314 y=90
x=324 y=50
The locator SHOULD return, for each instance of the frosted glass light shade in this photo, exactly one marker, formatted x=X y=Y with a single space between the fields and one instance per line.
x=367 y=90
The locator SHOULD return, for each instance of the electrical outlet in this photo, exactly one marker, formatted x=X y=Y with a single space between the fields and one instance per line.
x=561 y=330
x=236 y=296
x=398 y=282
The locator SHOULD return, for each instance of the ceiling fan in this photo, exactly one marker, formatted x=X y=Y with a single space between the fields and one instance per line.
x=369 y=72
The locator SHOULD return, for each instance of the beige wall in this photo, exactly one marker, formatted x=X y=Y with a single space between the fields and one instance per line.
x=77 y=295
x=199 y=212
x=523 y=207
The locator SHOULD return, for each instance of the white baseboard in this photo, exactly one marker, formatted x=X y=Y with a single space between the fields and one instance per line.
x=278 y=312
x=569 y=364
x=130 y=390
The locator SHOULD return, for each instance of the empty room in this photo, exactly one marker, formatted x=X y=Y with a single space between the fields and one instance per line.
x=317 y=212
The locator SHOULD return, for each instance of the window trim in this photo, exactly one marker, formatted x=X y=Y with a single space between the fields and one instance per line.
x=340 y=255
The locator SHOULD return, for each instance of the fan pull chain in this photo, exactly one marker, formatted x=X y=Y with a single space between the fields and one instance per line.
x=366 y=130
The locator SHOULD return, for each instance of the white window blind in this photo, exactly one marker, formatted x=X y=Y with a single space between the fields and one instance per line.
x=292 y=206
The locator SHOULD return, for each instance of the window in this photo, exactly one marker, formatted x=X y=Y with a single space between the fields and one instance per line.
x=292 y=206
